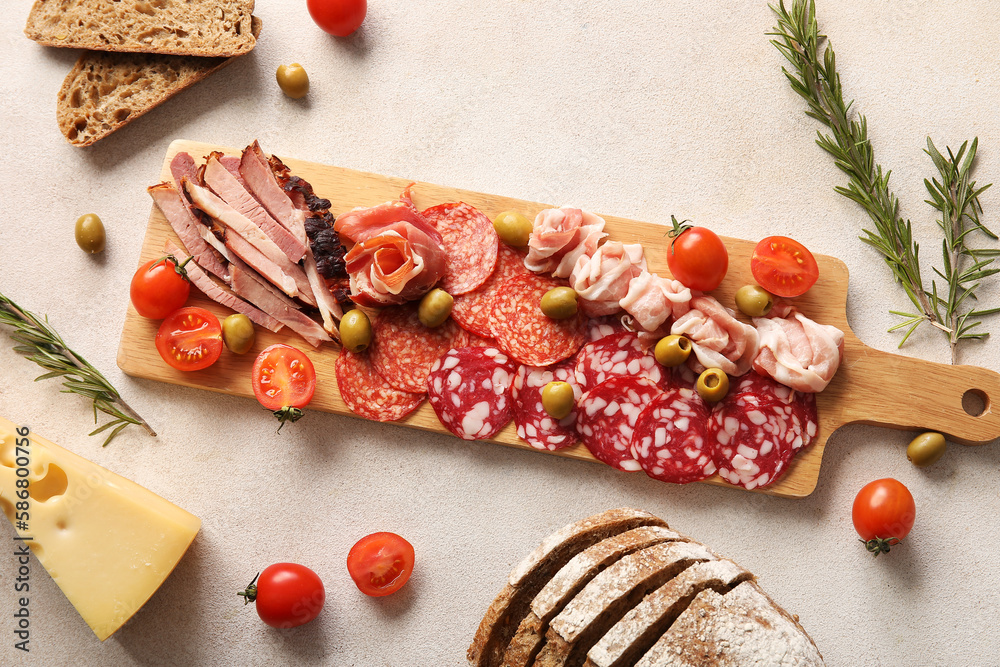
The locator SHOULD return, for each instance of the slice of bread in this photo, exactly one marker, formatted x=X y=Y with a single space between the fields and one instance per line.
x=105 y=91
x=220 y=28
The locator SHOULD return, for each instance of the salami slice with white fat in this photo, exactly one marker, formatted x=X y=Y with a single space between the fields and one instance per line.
x=617 y=354
x=606 y=418
x=470 y=243
x=403 y=350
x=607 y=325
x=471 y=310
x=469 y=389
x=524 y=331
x=367 y=393
x=672 y=440
x=534 y=425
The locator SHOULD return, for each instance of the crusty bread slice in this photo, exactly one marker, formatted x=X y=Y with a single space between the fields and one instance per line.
x=105 y=91
x=216 y=28
x=512 y=604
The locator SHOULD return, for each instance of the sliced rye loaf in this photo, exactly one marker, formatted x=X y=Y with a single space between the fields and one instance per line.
x=573 y=576
x=106 y=91
x=741 y=627
x=220 y=28
x=513 y=603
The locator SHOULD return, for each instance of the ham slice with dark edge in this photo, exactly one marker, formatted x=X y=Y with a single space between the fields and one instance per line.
x=187 y=228
x=249 y=286
x=261 y=183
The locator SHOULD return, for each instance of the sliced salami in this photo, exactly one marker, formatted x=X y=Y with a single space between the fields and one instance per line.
x=367 y=393
x=469 y=389
x=470 y=245
x=606 y=417
x=534 y=425
x=672 y=439
x=608 y=325
x=524 y=331
x=403 y=350
x=471 y=310
x=617 y=354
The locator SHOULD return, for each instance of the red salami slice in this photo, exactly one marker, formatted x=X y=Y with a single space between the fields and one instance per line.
x=403 y=350
x=617 y=354
x=471 y=310
x=534 y=425
x=470 y=245
x=469 y=389
x=367 y=393
x=672 y=439
x=524 y=331
x=606 y=417
x=608 y=325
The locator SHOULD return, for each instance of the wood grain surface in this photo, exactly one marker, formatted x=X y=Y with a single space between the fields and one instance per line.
x=871 y=387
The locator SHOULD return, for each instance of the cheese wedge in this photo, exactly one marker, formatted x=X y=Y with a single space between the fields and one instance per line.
x=106 y=541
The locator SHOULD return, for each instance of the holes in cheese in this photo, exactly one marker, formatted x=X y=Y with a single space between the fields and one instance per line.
x=53 y=484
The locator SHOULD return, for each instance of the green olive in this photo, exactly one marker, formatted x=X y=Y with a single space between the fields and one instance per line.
x=754 y=301
x=293 y=80
x=355 y=331
x=435 y=308
x=559 y=303
x=558 y=399
x=238 y=333
x=672 y=350
x=713 y=385
x=90 y=234
x=513 y=228
x=926 y=449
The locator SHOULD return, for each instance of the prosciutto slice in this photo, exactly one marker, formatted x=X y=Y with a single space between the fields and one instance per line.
x=718 y=339
x=559 y=237
x=603 y=279
x=652 y=300
x=796 y=351
x=188 y=228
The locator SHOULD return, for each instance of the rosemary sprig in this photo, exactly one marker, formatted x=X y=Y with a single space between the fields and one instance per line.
x=40 y=343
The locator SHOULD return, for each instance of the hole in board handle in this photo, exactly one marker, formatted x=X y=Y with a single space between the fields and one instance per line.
x=975 y=402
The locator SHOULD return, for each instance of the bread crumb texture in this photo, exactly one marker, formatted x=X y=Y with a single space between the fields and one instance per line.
x=220 y=28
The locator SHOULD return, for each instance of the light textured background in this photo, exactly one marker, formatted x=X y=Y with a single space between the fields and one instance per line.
x=639 y=109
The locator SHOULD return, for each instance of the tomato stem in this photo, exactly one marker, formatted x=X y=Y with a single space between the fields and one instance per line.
x=879 y=545
x=250 y=594
x=287 y=414
x=678 y=229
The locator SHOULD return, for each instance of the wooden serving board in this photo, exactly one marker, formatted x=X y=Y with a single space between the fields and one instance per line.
x=871 y=387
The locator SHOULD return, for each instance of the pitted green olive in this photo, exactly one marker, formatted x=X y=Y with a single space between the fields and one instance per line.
x=293 y=80
x=926 y=449
x=90 y=235
x=672 y=350
x=238 y=333
x=355 y=331
x=754 y=301
x=513 y=228
x=558 y=399
x=559 y=303
x=713 y=385
x=435 y=308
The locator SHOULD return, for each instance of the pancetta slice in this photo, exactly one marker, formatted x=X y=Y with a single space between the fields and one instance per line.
x=652 y=300
x=559 y=237
x=796 y=351
x=601 y=280
x=718 y=339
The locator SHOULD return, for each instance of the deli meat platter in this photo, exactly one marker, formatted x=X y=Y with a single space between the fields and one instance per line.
x=871 y=386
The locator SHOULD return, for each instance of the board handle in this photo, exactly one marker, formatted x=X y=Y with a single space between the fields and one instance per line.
x=907 y=393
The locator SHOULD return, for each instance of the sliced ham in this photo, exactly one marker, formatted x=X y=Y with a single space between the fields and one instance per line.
x=602 y=279
x=261 y=183
x=652 y=300
x=796 y=351
x=188 y=229
x=718 y=339
x=232 y=165
x=181 y=167
x=220 y=294
x=559 y=237
x=253 y=289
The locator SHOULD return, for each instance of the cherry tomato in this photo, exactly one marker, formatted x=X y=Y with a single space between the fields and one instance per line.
x=783 y=266
x=190 y=339
x=159 y=288
x=697 y=257
x=380 y=563
x=284 y=381
x=338 y=17
x=286 y=595
x=883 y=514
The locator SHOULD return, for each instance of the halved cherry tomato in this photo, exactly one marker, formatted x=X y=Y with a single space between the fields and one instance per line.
x=190 y=339
x=783 y=266
x=380 y=563
x=284 y=381
x=338 y=17
x=159 y=288
x=697 y=257
x=883 y=514
x=287 y=595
